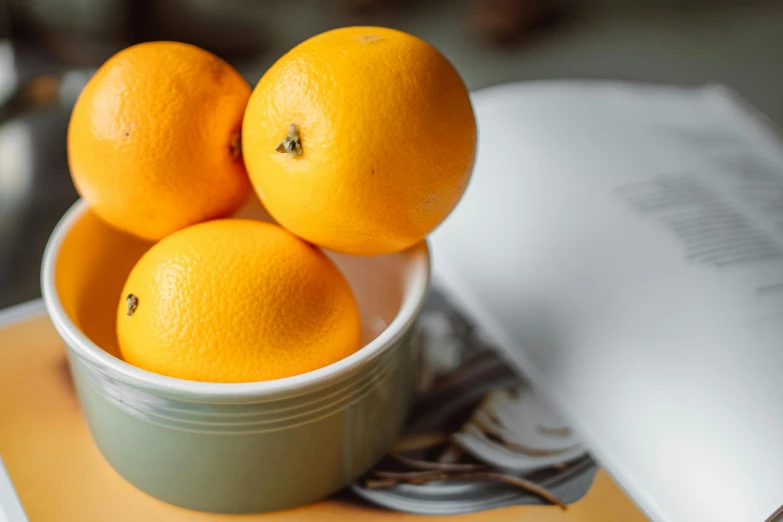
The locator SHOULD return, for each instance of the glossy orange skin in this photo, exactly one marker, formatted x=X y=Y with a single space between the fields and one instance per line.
x=235 y=300
x=153 y=140
x=388 y=137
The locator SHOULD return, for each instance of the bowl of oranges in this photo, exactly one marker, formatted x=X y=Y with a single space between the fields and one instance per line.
x=239 y=285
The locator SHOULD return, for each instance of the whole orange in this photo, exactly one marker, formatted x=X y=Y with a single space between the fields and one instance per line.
x=360 y=139
x=154 y=139
x=235 y=300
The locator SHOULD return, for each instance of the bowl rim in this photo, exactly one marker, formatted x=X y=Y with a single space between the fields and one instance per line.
x=412 y=302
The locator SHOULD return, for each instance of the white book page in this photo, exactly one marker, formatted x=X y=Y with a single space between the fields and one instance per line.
x=624 y=247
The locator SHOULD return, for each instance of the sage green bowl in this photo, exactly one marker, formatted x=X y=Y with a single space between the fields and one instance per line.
x=233 y=448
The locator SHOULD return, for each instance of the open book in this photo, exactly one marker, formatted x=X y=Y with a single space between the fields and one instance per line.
x=623 y=245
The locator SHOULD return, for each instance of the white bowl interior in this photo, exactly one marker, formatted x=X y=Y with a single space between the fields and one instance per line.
x=94 y=259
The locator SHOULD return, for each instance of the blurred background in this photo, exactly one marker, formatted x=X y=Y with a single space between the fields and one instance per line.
x=49 y=48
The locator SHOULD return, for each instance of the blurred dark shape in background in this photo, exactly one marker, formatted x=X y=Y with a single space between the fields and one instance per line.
x=49 y=48
x=85 y=33
x=507 y=22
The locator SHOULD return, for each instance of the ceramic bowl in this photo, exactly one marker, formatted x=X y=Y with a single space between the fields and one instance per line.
x=233 y=448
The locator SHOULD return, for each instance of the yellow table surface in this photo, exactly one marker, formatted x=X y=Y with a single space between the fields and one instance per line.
x=60 y=475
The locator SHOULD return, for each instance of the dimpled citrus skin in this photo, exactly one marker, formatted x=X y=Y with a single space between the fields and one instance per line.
x=388 y=138
x=236 y=300
x=153 y=140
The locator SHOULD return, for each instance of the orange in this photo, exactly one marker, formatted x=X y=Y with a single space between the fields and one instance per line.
x=236 y=300
x=382 y=143
x=153 y=141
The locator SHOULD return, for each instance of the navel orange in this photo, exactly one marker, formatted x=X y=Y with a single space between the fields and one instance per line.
x=360 y=139
x=235 y=300
x=154 y=139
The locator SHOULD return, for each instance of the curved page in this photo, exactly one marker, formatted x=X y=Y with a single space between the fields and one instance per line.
x=623 y=245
